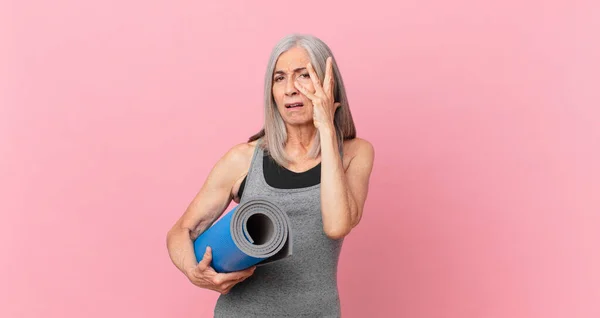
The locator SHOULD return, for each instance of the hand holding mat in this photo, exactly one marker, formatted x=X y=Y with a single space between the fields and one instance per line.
x=255 y=232
x=204 y=276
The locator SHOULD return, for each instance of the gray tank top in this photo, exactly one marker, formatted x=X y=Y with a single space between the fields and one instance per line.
x=301 y=285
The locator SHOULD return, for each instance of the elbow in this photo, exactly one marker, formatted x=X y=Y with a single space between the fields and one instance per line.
x=337 y=233
x=341 y=229
x=355 y=221
x=175 y=232
x=169 y=237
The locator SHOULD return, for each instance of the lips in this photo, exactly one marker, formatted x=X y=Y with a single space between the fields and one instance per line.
x=294 y=105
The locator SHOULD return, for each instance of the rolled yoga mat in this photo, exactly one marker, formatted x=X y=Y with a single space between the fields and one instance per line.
x=255 y=232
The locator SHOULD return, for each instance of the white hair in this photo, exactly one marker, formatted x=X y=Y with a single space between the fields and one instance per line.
x=274 y=129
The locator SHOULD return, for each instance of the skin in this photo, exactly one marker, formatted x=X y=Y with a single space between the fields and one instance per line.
x=344 y=182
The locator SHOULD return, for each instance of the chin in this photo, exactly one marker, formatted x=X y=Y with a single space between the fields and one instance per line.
x=298 y=121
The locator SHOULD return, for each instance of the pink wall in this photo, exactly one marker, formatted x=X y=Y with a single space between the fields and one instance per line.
x=484 y=198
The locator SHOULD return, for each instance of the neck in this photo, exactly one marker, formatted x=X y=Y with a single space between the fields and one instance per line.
x=300 y=139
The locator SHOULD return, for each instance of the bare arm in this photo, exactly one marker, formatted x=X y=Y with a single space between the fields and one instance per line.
x=210 y=202
x=343 y=193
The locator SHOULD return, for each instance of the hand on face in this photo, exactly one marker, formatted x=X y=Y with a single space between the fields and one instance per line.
x=324 y=106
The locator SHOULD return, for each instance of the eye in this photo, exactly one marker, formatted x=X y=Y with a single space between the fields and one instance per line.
x=305 y=75
x=278 y=78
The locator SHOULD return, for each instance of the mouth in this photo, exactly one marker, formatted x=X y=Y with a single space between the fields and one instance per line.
x=294 y=105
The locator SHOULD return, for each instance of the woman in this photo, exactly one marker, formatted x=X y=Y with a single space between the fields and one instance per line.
x=308 y=160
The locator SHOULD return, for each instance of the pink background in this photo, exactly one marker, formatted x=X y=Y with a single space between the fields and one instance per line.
x=484 y=198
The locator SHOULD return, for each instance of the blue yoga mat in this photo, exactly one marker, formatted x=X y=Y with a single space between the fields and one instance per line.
x=255 y=232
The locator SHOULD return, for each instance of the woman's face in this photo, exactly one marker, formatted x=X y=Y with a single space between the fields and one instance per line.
x=294 y=107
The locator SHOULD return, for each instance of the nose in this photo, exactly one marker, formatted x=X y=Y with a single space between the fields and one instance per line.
x=290 y=89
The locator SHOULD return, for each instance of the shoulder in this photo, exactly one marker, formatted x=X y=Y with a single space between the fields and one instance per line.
x=239 y=155
x=232 y=165
x=359 y=148
x=236 y=164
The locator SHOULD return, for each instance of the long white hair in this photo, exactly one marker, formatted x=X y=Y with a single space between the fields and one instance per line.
x=274 y=129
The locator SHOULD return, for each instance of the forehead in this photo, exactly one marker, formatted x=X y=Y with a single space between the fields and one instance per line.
x=292 y=59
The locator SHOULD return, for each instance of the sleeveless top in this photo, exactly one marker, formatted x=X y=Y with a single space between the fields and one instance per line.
x=280 y=177
x=305 y=283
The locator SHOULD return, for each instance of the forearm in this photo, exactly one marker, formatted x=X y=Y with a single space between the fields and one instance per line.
x=181 y=249
x=337 y=206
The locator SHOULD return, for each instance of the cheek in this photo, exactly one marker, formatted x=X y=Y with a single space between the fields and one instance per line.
x=277 y=93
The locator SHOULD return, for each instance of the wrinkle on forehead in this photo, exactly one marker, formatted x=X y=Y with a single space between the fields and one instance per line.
x=292 y=59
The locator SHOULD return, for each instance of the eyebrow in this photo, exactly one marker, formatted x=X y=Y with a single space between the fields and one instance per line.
x=295 y=71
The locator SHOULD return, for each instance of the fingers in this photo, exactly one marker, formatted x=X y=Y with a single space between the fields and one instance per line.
x=328 y=80
x=235 y=276
x=226 y=281
x=206 y=259
x=205 y=276
x=305 y=91
x=313 y=76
